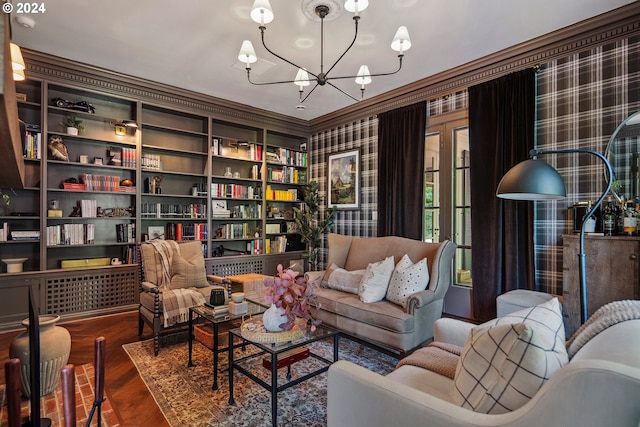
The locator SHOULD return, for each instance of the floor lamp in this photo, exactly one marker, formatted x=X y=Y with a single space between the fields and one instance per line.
x=535 y=179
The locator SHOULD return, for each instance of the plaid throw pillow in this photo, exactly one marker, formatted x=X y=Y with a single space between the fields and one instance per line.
x=504 y=362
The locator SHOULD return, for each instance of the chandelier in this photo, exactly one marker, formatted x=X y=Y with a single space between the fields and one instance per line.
x=262 y=14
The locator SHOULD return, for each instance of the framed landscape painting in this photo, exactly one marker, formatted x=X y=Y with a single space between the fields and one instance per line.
x=344 y=180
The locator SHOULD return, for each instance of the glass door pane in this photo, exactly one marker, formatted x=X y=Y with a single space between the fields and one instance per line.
x=431 y=222
x=462 y=209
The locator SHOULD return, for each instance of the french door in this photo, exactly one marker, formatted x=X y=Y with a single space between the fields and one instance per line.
x=447 y=207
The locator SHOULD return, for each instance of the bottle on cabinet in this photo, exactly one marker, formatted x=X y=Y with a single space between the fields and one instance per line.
x=609 y=219
x=630 y=220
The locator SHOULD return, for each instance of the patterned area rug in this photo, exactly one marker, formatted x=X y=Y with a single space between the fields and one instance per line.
x=51 y=404
x=185 y=397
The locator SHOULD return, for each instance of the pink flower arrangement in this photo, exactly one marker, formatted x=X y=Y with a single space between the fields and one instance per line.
x=293 y=294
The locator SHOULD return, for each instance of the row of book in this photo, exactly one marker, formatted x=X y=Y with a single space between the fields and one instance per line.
x=255 y=247
x=151 y=162
x=126 y=233
x=100 y=182
x=277 y=245
x=236 y=149
x=89 y=208
x=32 y=145
x=287 y=195
x=179 y=231
x=168 y=210
x=71 y=234
x=130 y=254
x=288 y=157
x=287 y=174
x=123 y=156
x=241 y=230
x=235 y=191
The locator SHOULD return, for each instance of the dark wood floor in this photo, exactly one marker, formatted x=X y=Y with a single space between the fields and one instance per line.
x=125 y=389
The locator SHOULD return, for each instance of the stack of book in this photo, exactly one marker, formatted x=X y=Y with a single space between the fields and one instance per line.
x=25 y=235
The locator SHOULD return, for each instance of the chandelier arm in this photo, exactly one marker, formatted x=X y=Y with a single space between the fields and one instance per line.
x=267 y=83
x=262 y=28
x=310 y=92
x=336 y=87
x=373 y=75
x=355 y=35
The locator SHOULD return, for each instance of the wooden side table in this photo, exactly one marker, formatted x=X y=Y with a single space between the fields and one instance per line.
x=251 y=284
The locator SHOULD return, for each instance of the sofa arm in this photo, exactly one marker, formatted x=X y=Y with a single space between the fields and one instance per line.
x=419 y=300
x=359 y=397
x=313 y=276
x=150 y=287
x=451 y=331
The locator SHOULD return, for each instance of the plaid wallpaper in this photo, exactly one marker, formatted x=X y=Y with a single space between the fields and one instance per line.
x=581 y=100
x=362 y=135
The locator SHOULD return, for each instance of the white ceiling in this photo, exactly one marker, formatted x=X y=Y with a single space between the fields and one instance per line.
x=194 y=44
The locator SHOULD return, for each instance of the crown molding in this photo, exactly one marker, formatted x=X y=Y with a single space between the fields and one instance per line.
x=605 y=28
x=55 y=69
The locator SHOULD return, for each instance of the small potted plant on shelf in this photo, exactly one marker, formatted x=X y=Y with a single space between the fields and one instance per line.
x=5 y=203
x=310 y=227
x=73 y=125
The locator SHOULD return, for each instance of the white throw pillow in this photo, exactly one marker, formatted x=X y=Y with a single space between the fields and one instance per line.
x=345 y=281
x=375 y=280
x=407 y=279
x=504 y=362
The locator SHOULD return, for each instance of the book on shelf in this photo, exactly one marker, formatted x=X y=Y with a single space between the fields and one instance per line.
x=126 y=233
x=32 y=143
x=71 y=234
x=234 y=149
x=89 y=208
x=25 y=234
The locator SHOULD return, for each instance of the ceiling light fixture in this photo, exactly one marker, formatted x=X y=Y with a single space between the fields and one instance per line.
x=262 y=14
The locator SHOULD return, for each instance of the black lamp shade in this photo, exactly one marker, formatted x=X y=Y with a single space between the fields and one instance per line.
x=532 y=179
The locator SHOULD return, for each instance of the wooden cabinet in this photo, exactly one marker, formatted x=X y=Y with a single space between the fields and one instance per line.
x=612 y=273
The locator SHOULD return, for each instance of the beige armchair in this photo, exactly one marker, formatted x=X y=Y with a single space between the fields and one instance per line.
x=173 y=279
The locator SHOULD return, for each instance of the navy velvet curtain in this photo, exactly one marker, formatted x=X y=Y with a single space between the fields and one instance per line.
x=501 y=132
x=401 y=134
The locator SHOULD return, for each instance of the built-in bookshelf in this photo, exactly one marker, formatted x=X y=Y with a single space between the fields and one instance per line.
x=139 y=171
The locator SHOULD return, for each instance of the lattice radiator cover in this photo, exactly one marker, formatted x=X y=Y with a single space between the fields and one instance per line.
x=91 y=290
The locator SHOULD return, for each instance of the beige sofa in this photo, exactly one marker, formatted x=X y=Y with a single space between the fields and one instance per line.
x=386 y=324
x=600 y=386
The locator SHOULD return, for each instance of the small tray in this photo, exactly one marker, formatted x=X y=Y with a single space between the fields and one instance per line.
x=253 y=330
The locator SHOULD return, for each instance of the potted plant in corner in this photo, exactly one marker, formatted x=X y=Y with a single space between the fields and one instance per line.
x=310 y=226
x=73 y=125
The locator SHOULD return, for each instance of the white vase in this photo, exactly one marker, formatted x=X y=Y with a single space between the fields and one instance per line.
x=273 y=318
x=55 y=347
x=72 y=130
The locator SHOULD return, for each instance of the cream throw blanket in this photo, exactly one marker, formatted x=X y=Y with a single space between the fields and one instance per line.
x=606 y=316
x=175 y=302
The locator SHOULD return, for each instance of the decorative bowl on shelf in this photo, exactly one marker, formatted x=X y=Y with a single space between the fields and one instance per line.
x=14 y=265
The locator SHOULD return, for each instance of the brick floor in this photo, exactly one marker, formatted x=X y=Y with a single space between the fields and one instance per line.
x=51 y=404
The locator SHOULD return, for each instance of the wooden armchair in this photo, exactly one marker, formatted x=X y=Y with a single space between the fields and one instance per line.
x=173 y=279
